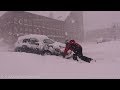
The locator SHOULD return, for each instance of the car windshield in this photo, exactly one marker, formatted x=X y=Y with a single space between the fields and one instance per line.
x=48 y=41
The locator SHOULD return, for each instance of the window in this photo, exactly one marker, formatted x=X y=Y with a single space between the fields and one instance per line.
x=26 y=29
x=26 y=40
x=21 y=29
x=48 y=41
x=25 y=21
x=34 y=31
x=30 y=30
x=30 y=22
x=72 y=20
x=15 y=20
x=34 y=41
x=20 y=21
x=31 y=41
x=15 y=29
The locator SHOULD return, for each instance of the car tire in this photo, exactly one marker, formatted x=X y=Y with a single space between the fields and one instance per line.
x=47 y=52
x=36 y=51
x=25 y=49
x=18 y=49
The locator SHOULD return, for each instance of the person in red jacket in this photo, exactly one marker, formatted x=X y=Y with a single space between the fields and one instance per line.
x=77 y=49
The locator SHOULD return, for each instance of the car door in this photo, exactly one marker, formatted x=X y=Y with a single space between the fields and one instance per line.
x=48 y=44
x=34 y=43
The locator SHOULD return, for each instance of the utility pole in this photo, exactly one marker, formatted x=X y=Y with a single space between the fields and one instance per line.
x=115 y=31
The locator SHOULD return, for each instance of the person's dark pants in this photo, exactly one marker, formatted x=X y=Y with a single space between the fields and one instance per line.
x=78 y=53
x=75 y=57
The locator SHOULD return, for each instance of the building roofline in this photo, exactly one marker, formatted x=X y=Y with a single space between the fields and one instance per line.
x=31 y=14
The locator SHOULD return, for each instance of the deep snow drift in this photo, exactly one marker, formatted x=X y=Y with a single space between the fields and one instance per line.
x=24 y=65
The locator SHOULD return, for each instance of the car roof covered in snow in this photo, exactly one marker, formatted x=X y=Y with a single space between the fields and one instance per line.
x=39 y=37
x=59 y=43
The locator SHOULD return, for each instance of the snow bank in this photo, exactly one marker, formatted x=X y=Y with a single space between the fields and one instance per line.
x=24 y=65
x=39 y=37
x=3 y=46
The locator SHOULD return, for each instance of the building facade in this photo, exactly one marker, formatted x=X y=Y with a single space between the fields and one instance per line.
x=17 y=23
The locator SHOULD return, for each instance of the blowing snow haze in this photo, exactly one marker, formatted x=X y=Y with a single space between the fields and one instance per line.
x=27 y=65
x=106 y=54
x=92 y=19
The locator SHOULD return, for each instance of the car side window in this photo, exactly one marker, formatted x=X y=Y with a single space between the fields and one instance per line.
x=33 y=41
x=48 y=41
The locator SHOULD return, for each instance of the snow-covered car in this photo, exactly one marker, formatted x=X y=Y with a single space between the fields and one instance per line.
x=54 y=48
x=39 y=44
x=30 y=43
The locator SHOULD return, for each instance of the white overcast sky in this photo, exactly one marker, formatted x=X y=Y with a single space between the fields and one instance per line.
x=92 y=19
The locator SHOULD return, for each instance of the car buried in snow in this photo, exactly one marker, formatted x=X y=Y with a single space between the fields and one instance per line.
x=39 y=44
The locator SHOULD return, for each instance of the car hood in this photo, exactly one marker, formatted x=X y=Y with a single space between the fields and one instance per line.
x=58 y=45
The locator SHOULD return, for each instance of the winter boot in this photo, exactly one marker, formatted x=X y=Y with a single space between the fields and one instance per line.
x=86 y=59
x=75 y=57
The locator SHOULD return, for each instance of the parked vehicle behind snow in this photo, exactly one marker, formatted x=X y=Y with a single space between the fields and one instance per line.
x=101 y=40
x=39 y=44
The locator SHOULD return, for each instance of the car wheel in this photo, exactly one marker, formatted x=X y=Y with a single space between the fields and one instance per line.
x=47 y=53
x=25 y=48
x=18 y=49
x=36 y=51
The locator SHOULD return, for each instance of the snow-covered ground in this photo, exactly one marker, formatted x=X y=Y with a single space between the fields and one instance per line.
x=24 y=65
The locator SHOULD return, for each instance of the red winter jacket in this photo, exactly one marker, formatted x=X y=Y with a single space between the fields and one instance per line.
x=71 y=45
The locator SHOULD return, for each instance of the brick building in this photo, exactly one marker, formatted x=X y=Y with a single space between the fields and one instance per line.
x=74 y=26
x=16 y=23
